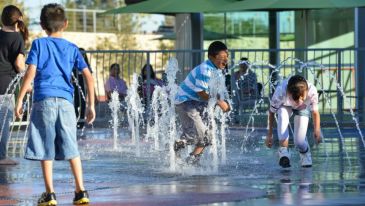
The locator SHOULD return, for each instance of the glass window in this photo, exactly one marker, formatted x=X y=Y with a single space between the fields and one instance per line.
x=240 y=30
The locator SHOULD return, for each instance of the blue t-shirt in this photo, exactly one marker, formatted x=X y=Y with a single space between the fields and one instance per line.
x=196 y=81
x=54 y=59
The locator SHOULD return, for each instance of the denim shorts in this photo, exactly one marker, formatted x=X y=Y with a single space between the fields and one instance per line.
x=52 y=131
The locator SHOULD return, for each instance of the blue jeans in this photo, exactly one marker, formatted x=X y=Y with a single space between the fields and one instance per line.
x=6 y=116
x=52 y=131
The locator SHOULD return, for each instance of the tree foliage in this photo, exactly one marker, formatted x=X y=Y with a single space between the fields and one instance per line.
x=244 y=27
x=16 y=3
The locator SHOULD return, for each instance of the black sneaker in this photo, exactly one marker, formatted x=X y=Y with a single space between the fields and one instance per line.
x=81 y=198
x=284 y=154
x=284 y=162
x=47 y=199
x=179 y=144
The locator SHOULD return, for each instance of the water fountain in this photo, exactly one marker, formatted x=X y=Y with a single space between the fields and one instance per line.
x=164 y=131
x=114 y=106
x=15 y=142
x=135 y=111
x=244 y=179
x=299 y=68
x=217 y=118
x=9 y=98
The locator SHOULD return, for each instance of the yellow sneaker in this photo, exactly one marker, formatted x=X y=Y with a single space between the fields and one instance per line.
x=47 y=199
x=81 y=198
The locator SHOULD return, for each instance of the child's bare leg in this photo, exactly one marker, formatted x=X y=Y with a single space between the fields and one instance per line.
x=284 y=143
x=198 y=150
x=76 y=168
x=47 y=169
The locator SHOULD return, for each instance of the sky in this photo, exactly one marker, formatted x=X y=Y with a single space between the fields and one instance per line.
x=149 y=23
x=33 y=10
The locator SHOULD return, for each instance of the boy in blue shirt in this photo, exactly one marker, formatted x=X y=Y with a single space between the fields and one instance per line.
x=192 y=99
x=52 y=133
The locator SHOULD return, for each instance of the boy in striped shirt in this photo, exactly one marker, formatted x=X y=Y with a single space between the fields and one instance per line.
x=192 y=98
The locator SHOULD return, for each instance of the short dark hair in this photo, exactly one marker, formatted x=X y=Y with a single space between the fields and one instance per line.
x=297 y=85
x=215 y=47
x=53 y=17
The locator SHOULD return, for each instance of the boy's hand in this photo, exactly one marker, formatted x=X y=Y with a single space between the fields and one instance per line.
x=90 y=115
x=29 y=90
x=317 y=135
x=224 y=105
x=269 y=140
x=18 y=110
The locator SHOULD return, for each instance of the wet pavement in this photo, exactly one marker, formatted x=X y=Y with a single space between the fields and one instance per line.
x=249 y=177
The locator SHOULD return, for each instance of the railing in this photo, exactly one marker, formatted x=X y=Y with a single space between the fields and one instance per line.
x=334 y=67
x=89 y=20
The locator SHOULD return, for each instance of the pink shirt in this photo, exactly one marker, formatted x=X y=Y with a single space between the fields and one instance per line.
x=153 y=84
x=116 y=84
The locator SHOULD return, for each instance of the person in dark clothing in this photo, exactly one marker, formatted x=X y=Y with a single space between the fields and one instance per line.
x=13 y=34
x=79 y=101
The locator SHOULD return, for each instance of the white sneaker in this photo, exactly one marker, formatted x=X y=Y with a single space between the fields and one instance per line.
x=306 y=159
x=284 y=155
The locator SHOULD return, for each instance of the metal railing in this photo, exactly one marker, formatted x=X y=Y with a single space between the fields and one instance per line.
x=327 y=69
x=89 y=20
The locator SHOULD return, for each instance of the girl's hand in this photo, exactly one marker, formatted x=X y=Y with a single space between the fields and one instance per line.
x=18 y=110
x=269 y=139
x=317 y=135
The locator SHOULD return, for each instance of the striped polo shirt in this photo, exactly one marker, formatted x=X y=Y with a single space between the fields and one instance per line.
x=196 y=81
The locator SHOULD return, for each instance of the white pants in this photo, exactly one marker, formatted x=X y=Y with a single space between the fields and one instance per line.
x=300 y=127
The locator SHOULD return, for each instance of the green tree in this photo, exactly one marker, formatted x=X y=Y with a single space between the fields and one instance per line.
x=20 y=5
x=122 y=25
x=17 y=3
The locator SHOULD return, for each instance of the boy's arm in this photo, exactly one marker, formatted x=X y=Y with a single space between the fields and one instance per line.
x=203 y=95
x=221 y=103
x=270 y=125
x=316 y=126
x=313 y=94
x=90 y=112
x=28 y=78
